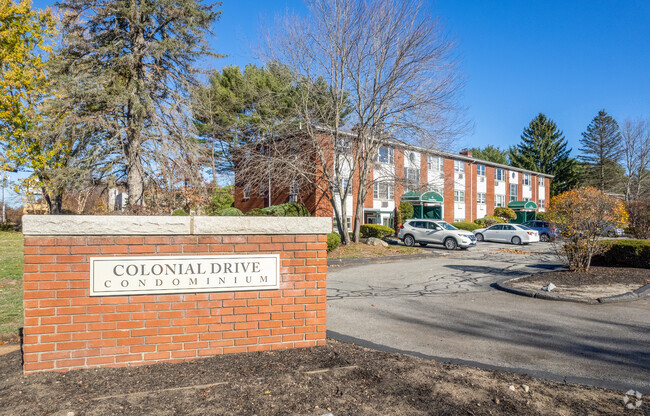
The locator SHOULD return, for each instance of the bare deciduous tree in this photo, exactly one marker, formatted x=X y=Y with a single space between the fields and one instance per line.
x=636 y=157
x=388 y=64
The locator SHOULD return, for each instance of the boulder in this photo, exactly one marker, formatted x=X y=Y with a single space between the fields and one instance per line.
x=372 y=241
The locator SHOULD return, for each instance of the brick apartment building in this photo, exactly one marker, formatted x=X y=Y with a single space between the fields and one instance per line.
x=467 y=188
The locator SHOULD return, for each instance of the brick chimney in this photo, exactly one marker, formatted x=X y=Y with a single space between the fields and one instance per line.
x=466 y=152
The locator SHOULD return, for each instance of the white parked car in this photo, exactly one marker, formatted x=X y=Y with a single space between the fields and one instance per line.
x=507 y=233
x=424 y=232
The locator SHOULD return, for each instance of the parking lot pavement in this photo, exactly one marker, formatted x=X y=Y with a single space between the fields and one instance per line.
x=443 y=307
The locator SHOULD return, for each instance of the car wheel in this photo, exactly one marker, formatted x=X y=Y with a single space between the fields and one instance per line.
x=516 y=241
x=423 y=244
x=450 y=244
x=544 y=238
x=409 y=241
x=479 y=237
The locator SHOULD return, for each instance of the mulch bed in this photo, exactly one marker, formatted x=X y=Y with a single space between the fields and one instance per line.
x=594 y=276
x=340 y=378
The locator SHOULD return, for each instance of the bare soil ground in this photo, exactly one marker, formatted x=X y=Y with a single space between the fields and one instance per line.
x=340 y=378
x=595 y=283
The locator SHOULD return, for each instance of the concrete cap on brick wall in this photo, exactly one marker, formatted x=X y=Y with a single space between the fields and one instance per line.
x=45 y=225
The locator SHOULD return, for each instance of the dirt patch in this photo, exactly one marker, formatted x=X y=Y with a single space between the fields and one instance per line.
x=355 y=250
x=340 y=378
x=593 y=284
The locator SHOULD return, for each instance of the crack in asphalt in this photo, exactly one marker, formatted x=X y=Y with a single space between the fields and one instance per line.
x=460 y=277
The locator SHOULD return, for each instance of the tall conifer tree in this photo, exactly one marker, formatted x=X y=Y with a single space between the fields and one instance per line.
x=141 y=56
x=543 y=148
x=601 y=151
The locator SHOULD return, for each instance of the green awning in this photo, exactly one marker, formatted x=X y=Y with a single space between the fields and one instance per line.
x=523 y=205
x=422 y=197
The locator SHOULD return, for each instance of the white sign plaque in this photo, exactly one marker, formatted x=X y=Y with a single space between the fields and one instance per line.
x=115 y=276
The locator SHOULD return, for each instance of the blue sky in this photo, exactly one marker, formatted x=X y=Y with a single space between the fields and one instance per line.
x=567 y=59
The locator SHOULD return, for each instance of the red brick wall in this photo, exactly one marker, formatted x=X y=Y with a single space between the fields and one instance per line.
x=66 y=329
x=448 y=168
x=470 y=191
x=489 y=190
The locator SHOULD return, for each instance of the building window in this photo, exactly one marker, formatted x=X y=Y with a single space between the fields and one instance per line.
x=525 y=199
x=526 y=179
x=383 y=190
x=436 y=189
x=499 y=174
x=386 y=155
x=434 y=163
x=335 y=224
x=514 y=188
x=459 y=166
x=499 y=200
x=343 y=146
x=412 y=177
x=293 y=191
x=513 y=175
x=540 y=180
x=346 y=185
x=541 y=203
x=480 y=198
x=459 y=219
x=263 y=187
x=459 y=196
x=247 y=192
x=480 y=170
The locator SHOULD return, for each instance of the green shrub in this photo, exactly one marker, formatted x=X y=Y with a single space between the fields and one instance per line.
x=376 y=230
x=6 y=226
x=405 y=210
x=180 y=212
x=542 y=216
x=624 y=253
x=466 y=225
x=230 y=212
x=333 y=241
x=256 y=212
x=220 y=199
x=290 y=209
x=488 y=221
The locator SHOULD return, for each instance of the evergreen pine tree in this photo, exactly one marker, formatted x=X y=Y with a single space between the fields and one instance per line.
x=140 y=57
x=491 y=154
x=543 y=148
x=601 y=151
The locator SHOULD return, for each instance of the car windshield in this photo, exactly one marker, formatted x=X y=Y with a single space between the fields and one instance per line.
x=446 y=226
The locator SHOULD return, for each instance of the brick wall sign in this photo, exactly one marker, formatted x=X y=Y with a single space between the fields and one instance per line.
x=183 y=274
x=118 y=291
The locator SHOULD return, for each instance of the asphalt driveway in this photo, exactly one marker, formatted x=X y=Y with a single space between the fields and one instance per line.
x=444 y=307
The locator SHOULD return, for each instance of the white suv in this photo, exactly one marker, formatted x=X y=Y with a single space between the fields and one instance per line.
x=435 y=231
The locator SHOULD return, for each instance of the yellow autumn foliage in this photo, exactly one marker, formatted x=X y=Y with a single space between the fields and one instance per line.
x=25 y=46
x=581 y=215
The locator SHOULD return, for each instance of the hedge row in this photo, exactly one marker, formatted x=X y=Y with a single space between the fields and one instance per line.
x=466 y=225
x=488 y=221
x=376 y=230
x=624 y=253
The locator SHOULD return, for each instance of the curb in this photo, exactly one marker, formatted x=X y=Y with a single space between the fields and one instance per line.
x=639 y=293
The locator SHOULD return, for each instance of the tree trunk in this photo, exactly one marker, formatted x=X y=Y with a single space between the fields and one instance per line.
x=135 y=171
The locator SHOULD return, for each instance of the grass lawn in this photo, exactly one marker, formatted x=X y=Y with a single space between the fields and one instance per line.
x=355 y=250
x=11 y=284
